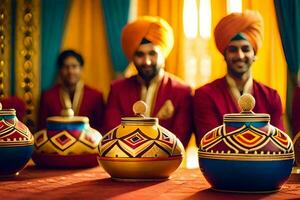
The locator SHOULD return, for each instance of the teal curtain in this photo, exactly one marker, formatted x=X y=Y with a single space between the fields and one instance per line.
x=288 y=16
x=53 y=17
x=116 y=16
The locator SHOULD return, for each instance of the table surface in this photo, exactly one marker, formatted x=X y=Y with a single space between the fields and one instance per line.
x=95 y=183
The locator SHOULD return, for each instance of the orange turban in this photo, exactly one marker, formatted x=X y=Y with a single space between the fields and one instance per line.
x=154 y=29
x=249 y=23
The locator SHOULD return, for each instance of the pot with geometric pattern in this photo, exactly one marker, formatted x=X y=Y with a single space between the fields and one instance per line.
x=16 y=143
x=246 y=153
x=68 y=142
x=139 y=149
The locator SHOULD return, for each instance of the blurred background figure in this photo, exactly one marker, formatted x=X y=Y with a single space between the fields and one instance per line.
x=71 y=92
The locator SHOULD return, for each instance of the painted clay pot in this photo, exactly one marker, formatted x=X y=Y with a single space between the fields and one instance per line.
x=68 y=142
x=246 y=153
x=139 y=149
x=16 y=143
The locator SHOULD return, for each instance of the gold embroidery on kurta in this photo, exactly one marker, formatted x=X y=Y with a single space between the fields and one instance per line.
x=234 y=89
x=149 y=94
x=66 y=100
x=166 y=111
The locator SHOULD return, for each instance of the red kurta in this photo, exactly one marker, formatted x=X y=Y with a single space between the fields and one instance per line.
x=296 y=111
x=92 y=106
x=214 y=99
x=125 y=92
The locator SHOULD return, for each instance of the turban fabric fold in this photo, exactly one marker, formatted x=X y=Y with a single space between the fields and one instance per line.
x=154 y=29
x=249 y=23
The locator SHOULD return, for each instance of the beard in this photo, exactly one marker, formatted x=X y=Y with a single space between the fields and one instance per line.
x=147 y=72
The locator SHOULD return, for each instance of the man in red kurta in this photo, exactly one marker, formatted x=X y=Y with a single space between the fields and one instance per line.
x=296 y=112
x=238 y=36
x=72 y=93
x=147 y=42
x=296 y=123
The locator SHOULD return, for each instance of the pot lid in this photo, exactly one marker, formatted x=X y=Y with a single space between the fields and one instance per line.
x=67 y=116
x=139 y=109
x=246 y=103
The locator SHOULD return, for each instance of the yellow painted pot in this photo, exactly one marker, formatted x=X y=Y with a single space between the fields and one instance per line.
x=140 y=149
x=68 y=142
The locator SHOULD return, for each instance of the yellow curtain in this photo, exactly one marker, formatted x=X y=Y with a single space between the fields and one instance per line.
x=85 y=32
x=270 y=67
x=218 y=65
x=171 y=11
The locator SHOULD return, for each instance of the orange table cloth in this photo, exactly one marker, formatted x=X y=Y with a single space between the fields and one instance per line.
x=95 y=183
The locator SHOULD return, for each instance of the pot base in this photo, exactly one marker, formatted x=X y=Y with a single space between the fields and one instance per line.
x=70 y=161
x=246 y=192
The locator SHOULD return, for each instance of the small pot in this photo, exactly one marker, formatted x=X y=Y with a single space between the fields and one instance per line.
x=68 y=142
x=16 y=143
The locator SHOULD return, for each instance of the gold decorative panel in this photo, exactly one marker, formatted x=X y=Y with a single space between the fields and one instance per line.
x=28 y=56
x=5 y=17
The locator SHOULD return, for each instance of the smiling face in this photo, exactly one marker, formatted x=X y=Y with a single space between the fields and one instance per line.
x=239 y=56
x=148 y=60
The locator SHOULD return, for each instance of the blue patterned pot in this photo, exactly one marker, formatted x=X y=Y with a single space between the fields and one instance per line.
x=16 y=143
x=246 y=153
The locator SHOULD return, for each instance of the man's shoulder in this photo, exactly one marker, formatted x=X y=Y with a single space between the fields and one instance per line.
x=177 y=82
x=123 y=82
x=297 y=90
x=91 y=91
x=264 y=88
x=212 y=87
x=51 y=91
